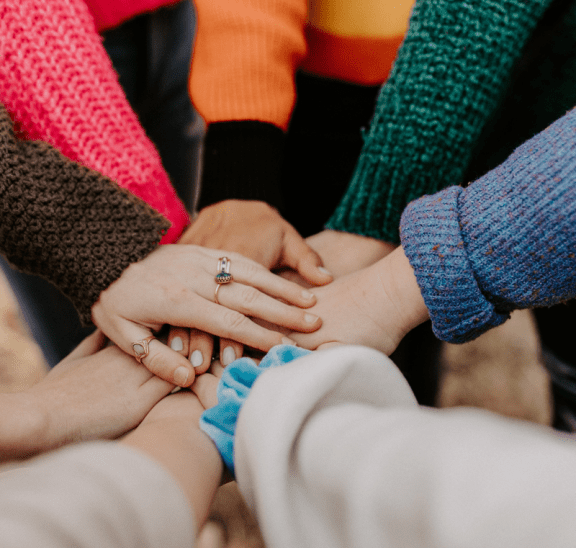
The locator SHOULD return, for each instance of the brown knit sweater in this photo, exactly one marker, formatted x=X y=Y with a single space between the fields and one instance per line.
x=71 y=225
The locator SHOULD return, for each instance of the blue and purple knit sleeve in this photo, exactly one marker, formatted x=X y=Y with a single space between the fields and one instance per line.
x=506 y=242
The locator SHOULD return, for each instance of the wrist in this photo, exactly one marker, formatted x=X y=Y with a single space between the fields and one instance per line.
x=26 y=433
x=404 y=291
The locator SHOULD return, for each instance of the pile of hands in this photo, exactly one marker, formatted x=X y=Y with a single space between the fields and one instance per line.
x=331 y=288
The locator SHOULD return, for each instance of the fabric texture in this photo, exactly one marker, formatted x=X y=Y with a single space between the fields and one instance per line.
x=110 y=13
x=243 y=79
x=219 y=422
x=58 y=85
x=93 y=495
x=508 y=241
x=450 y=75
x=67 y=223
x=332 y=450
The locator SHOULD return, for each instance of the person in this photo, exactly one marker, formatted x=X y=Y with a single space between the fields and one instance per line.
x=92 y=123
x=99 y=245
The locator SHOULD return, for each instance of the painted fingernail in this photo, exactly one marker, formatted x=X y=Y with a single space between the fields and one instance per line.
x=177 y=344
x=196 y=358
x=181 y=375
x=286 y=340
x=324 y=270
x=307 y=295
x=228 y=356
x=310 y=318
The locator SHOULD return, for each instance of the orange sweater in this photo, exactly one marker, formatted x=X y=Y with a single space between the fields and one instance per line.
x=247 y=51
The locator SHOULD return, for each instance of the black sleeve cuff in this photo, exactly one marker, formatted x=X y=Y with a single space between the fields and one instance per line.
x=242 y=161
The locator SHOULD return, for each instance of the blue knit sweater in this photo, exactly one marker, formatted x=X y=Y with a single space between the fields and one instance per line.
x=506 y=242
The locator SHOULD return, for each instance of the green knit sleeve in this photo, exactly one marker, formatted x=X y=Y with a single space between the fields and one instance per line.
x=66 y=223
x=450 y=74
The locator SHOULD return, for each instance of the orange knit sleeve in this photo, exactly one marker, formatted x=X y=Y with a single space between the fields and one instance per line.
x=245 y=57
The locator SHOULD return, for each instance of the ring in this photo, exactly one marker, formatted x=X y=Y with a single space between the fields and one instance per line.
x=141 y=348
x=223 y=276
x=216 y=293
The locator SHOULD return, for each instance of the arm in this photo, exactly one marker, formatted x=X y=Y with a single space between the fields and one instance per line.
x=448 y=78
x=74 y=101
x=333 y=450
x=94 y=393
x=506 y=242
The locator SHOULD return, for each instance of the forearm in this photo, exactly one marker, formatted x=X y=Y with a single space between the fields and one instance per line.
x=508 y=241
x=242 y=83
x=185 y=452
x=75 y=103
x=67 y=223
x=450 y=73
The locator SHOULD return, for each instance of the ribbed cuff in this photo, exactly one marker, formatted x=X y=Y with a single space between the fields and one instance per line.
x=431 y=238
x=242 y=161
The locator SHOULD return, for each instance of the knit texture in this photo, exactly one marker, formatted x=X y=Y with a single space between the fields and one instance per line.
x=506 y=242
x=67 y=223
x=450 y=74
x=110 y=13
x=59 y=87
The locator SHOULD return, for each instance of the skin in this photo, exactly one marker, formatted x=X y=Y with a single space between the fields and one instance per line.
x=94 y=393
x=175 y=285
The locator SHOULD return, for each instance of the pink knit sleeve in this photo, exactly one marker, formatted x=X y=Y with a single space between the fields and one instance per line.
x=59 y=86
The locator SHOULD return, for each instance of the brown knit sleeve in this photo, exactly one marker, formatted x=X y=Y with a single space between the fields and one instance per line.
x=71 y=225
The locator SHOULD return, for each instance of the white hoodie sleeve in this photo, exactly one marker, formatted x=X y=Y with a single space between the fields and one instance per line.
x=332 y=450
x=93 y=495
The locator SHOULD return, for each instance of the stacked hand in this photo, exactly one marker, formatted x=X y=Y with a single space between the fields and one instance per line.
x=175 y=285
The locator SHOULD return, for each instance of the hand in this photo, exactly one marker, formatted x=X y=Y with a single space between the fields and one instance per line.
x=374 y=307
x=175 y=285
x=343 y=252
x=257 y=231
x=93 y=393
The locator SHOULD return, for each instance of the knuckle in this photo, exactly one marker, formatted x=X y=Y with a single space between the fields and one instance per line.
x=249 y=295
x=156 y=363
x=234 y=321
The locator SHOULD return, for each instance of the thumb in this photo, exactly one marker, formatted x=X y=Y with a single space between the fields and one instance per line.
x=299 y=256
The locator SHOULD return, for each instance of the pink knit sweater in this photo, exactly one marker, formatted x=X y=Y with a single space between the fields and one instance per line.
x=59 y=86
x=110 y=13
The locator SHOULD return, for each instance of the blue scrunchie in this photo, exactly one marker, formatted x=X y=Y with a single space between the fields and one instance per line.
x=220 y=421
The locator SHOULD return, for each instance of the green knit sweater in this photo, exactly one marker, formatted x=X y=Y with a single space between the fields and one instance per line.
x=450 y=75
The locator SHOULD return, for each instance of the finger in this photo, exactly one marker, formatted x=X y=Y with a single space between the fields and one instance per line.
x=205 y=387
x=217 y=369
x=90 y=345
x=212 y=535
x=251 y=302
x=299 y=256
x=233 y=325
x=178 y=338
x=249 y=272
x=201 y=346
x=160 y=360
x=230 y=351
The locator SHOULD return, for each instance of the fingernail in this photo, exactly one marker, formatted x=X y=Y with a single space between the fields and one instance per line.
x=307 y=295
x=177 y=344
x=228 y=356
x=324 y=271
x=310 y=318
x=181 y=375
x=196 y=358
x=286 y=340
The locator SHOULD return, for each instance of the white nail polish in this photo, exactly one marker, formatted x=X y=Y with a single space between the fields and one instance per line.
x=228 y=356
x=196 y=358
x=324 y=270
x=286 y=340
x=310 y=318
x=307 y=295
x=177 y=344
x=181 y=376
